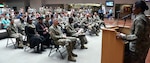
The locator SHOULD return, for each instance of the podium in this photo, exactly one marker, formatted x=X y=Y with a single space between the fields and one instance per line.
x=112 y=47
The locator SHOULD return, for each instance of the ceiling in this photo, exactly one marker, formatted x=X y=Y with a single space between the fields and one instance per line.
x=1 y=1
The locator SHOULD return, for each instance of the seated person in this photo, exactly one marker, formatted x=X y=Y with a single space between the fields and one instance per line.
x=47 y=21
x=5 y=23
x=43 y=31
x=33 y=37
x=60 y=39
x=13 y=32
x=21 y=26
x=98 y=20
x=72 y=32
x=93 y=28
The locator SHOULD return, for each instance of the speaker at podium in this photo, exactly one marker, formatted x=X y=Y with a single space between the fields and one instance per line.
x=113 y=47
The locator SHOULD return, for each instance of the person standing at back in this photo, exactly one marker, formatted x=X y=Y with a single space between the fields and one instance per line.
x=101 y=13
x=139 y=38
x=110 y=14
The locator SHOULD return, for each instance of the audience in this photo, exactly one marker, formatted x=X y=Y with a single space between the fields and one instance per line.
x=50 y=24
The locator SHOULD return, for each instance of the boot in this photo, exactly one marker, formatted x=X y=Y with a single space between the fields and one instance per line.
x=38 y=51
x=70 y=57
x=97 y=34
x=42 y=48
x=17 y=42
x=20 y=44
x=85 y=42
x=83 y=47
x=74 y=55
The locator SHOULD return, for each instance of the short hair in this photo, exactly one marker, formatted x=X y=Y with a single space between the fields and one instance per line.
x=28 y=19
x=142 y=5
x=40 y=18
x=46 y=16
x=70 y=20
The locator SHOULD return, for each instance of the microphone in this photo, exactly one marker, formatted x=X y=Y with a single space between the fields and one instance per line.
x=126 y=16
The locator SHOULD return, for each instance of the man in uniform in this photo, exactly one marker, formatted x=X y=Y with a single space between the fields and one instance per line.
x=60 y=39
x=79 y=34
x=13 y=32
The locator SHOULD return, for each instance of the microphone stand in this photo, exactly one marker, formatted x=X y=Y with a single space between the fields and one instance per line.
x=118 y=17
x=123 y=24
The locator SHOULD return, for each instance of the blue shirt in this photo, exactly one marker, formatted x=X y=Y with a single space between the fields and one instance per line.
x=100 y=11
x=6 y=23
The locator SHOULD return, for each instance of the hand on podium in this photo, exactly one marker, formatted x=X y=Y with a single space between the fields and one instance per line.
x=121 y=35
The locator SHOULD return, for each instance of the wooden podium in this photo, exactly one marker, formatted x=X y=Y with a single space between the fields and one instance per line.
x=112 y=47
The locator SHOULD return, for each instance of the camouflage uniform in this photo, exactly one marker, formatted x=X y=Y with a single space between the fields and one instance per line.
x=59 y=39
x=90 y=25
x=98 y=21
x=13 y=32
x=72 y=32
x=139 y=40
x=21 y=28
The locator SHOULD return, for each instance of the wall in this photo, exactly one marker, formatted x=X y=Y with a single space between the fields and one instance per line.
x=87 y=1
x=125 y=1
x=148 y=11
x=1 y=1
x=35 y=4
x=71 y=1
x=17 y=3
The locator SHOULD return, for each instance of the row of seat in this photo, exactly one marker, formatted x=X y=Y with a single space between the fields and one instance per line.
x=53 y=46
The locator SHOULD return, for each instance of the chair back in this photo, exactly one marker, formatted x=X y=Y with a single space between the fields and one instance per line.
x=8 y=32
x=53 y=42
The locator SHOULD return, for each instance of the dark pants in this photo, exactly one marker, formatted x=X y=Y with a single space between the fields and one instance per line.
x=101 y=16
x=46 y=41
x=36 y=41
x=135 y=57
x=102 y=23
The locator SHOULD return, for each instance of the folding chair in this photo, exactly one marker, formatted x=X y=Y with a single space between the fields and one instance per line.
x=27 y=44
x=57 y=47
x=10 y=38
